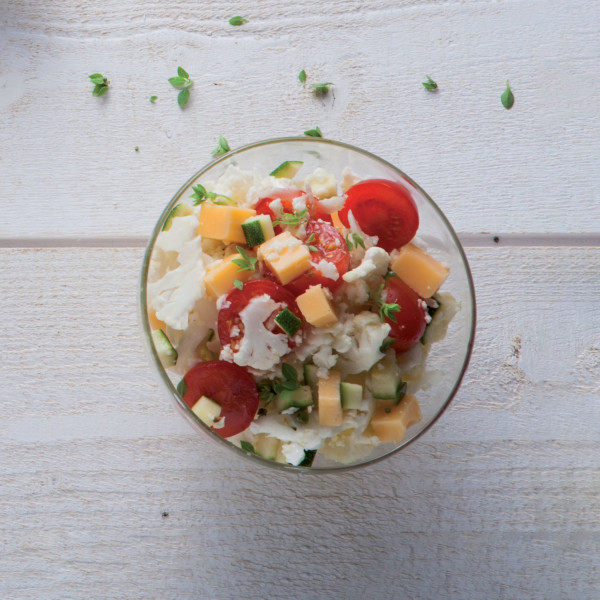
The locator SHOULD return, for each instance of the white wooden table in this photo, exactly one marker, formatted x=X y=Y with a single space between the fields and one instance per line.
x=105 y=492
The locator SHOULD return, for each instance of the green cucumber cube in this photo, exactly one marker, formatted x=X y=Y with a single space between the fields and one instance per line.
x=288 y=321
x=287 y=169
x=351 y=395
x=257 y=230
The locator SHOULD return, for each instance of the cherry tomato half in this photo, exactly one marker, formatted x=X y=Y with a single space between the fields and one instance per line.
x=331 y=247
x=286 y=195
x=410 y=319
x=383 y=208
x=230 y=326
x=228 y=385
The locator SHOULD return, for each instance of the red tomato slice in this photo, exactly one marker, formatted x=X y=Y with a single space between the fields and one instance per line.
x=229 y=318
x=331 y=247
x=383 y=208
x=410 y=319
x=228 y=385
x=286 y=195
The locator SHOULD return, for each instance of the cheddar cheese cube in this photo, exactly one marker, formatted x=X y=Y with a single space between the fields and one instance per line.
x=285 y=256
x=316 y=307
x=419 y=270
x=220 y=276
x=329 y=400
x=220 y=222
x=389 y=422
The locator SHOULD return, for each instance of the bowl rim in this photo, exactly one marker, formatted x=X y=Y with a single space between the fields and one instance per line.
x=185 y=410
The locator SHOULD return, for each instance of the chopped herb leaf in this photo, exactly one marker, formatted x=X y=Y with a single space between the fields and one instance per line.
x=101 y=84
x=310 y=238
x=153 y=99
x=137 y=148
x=302 y=77
x=321 y=89
x=182 y=82
x=247 y=446
x=222 y=147
x=200 y=195
x=238 y=284
x=289 y=372
x=354 y=240
x=266 y=392
x=293 y=219
x=507 y=97
x=237 y=21
x=312 y=248
x=430 y=85
x=387 y=310
x=182 y=388
x=316 y=132
x=246 y=263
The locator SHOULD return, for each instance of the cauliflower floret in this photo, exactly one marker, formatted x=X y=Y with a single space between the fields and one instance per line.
x=376 y=261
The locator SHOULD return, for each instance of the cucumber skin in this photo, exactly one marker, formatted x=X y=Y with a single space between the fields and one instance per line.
x=287 y=169
x=289 y=322
x=166 y=353
x=351 y=395
x=253 y=236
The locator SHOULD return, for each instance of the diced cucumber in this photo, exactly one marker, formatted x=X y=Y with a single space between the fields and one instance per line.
x=287 y=169
x=351 y=394
x=298 y=398
x=311 y=378
x=289 y=322
x=257 y=230
x=266 y=446
x=385 y=378
x=166 y=353
x=207 y=410
x=179 y=210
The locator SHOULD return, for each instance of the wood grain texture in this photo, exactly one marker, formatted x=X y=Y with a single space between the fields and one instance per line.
x=498 y=500
x=68 y=162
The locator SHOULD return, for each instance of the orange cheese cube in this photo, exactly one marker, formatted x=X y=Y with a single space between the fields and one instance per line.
x=220 y=222
x=286 y=256
x=219 y=276
x=329 y=400
x=316 y=307
x=389 y=422
x=418 y=270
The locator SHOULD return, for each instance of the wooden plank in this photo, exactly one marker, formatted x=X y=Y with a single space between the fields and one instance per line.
x=498 y=500
x=68 y=161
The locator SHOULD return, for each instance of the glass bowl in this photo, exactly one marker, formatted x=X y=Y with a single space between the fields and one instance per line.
x=447 y=359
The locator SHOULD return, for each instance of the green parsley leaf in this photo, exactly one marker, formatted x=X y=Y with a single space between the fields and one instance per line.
x=177 y=82
x=238 y=284
x=200 y=195
x=507 y=97
x=312 y=248
x=316 y=132
x=246 y=263
x=430 y=85
x=247 y=446
x=222 y=148
x=293 y=219
x=302 y=77
x=310 y=238
x=183 y=97
x=153 y=99
x=354 y=240
x=182 y=388
x=266 y=392
x=387 y=310
x=289 y=372
x=237 y=21
x=182 y=73
x=321 y=89
x=101 y=84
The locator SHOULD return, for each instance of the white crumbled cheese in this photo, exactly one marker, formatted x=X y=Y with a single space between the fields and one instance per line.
x=423 y=305
x=276 y=207
x=348 y=179
x=369 y=334
x=259 y=348
x=293 y=453
x=376 y=261
x=299 y=203
x=182 y=230
x=174 y=295
x=328 y=269
x=220 y=423
x=356 y=293
x=322 y=183
x=222 y=302
x=333 y=204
